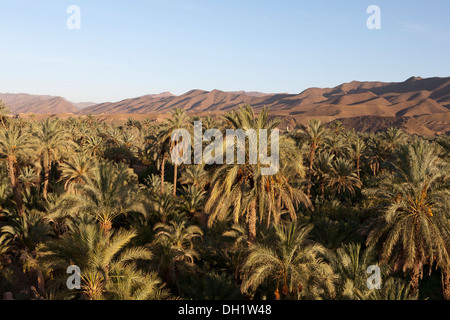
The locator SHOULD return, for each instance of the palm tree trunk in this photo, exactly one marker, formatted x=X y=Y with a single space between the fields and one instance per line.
x=175 y=173
x=446 y=284
x=163 y=163
x=15 y=187
x=357 y=166
x=47 y=168
x=311 y=161
x=415 y=273
x=252 y=224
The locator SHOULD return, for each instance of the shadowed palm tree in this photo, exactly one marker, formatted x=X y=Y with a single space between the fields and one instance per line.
x=414 y=228
x=343 y=177
x=356 y=152
x=293 y=263
x=194 y=175
x=15 y=144
x=315 y=133
x=322 y=168
x=174 y=247
x=191 y=200
x=52 y=142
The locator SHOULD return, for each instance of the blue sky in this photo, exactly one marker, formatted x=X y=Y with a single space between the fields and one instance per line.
x=130 y=48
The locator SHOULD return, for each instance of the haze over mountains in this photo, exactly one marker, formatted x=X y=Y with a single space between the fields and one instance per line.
x=415 y=97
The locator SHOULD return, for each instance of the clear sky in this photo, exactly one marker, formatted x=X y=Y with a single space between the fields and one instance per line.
x=130 y=48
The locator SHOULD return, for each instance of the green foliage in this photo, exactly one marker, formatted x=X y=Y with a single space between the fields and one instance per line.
x=107 y=198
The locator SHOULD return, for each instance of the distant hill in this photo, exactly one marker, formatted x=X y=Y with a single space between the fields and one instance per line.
x=40 y=104
x=414 y=97
x=419 y=105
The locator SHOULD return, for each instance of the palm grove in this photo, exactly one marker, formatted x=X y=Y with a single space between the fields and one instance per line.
x=342 y=201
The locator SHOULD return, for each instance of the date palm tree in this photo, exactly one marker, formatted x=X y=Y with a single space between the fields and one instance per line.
x=243 y=188
x=16 y=144
x=175 y=250
x=77 y=170
x=110 y=193
x=4 y=112
x=293 y=263
x=343 y=177
x=413 y=228
x=322 y=168
x=178 y=120
x=356 y=152
x=315 y=133
x=53 y=142
x=106 y=261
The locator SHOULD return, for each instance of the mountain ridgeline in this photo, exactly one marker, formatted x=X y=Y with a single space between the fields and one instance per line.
x=403 y=103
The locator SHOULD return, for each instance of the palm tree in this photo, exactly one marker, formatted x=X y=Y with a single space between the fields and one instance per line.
x=4 y=112
x=315 y=133
x=178 y=120
x=245 y=189
x=78 y=169
x=322 y=168
x=413 y=228
x=293 y=263
x=194 y=175
x=174 y=246
x=20 y=237
x=157 y=148
x=356 y=151
x=53 y=142
x=393 y=137
x=103 y=258
x=350 y=264
x=110 y=193
x=191 y=200
x=15 y=145
x=342 y=177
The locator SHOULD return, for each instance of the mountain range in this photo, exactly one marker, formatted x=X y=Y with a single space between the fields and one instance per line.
x=413 y=98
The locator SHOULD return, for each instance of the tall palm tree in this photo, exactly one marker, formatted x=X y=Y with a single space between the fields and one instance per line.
x=53 y=142
x=246 y=190
x=322 y=168
x=178 y=120
x=16 y=144
x=293 y=263
x=413 y=228
x=315 y=133
x=356 y=152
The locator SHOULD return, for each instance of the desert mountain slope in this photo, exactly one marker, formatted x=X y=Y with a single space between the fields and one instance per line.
x=26 y=103
x=413 y=97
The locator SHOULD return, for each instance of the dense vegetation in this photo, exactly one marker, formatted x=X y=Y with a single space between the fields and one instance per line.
x=108 y=199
